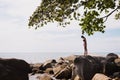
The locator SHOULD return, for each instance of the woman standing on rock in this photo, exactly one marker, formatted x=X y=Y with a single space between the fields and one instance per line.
x=85 y=45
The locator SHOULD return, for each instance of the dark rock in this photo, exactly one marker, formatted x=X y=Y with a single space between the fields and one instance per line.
x=14 y=69
x=116 y=75
x=87 y=66
x=49 y=71
x=111 y=57
x=110 y=65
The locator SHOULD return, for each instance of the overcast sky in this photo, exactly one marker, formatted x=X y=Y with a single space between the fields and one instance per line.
x=15 y=36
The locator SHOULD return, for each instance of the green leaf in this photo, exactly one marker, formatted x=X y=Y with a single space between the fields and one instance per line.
x=86 y=12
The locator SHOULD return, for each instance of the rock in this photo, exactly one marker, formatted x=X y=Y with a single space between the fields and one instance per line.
x=44 y=77
x=117 y=62
x=71 y=58
x=99 y=76
x=116 y=75
x=36 y=65
x=65 y=73
x=49 y=64
x=87 y=66
x=111 y=57
x=110 y=65
x=49 y=71
x=76 y=78
x=84 y=68
x=19 y=64
x=74 y=74
x=36 y=71
x=60 y=60
x=37 y=68
x=58 y=68
x=14 y=69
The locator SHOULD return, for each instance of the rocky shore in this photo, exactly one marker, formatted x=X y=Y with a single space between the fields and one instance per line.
x=63 y=69
x=54 y=69
x=74 y=67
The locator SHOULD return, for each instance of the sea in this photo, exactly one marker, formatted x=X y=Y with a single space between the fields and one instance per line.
x=41 y=57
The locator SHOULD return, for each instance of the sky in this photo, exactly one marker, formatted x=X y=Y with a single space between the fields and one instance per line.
x=16 y=37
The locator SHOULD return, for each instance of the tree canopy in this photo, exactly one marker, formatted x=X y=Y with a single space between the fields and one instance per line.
x=90 y=14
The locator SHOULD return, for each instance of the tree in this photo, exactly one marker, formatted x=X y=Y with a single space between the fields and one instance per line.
x=90 y=14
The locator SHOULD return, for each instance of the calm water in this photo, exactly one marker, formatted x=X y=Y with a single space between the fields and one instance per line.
x=36 y=57
x=41 y=57
x=34 y=77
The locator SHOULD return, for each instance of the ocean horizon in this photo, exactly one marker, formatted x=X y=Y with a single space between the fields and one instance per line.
x=43 y=56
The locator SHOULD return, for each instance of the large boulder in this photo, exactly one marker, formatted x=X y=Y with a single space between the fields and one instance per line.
x=111 y=64
x=14 y=69
x=87 y=66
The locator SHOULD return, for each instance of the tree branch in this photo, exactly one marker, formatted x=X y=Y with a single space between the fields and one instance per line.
x=110 y=14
